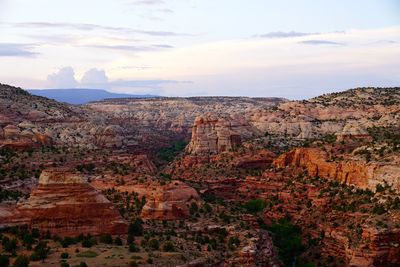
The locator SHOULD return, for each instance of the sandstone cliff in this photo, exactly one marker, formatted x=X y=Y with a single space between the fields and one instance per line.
x=66 y=205
x=361 y=174
x=169 y=202
x=212 y=134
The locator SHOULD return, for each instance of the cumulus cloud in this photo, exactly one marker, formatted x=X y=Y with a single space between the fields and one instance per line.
x=320 y=42
x=16 y=50
x=94 y=78
x=97 y=79
x=63 y=78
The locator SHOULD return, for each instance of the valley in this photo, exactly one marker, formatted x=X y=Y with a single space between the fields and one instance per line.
x=201 y=181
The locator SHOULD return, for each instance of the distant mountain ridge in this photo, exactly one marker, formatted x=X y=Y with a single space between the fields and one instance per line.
x=81 y=95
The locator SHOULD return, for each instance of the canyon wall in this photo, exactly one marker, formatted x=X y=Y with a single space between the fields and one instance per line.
x=358 y=173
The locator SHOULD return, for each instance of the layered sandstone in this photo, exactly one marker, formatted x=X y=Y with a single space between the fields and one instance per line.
x=212 y=134
x=169 y=202
x=331 y=114
x=66 y=205
x=358 y=173
x=353 y=131
x=13 y=136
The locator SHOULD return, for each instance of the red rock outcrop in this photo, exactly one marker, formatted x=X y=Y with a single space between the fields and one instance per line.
x=169 y=202
x=360 y=174
x=66 y=205
x=261 y=159
x=13 y=137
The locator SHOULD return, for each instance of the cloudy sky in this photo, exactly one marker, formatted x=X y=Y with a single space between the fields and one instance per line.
x=293 y=49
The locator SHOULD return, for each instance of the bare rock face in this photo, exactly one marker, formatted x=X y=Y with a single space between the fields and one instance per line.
x=352 y=131
x=11 y=132
x=169 y=202
x=212 y=134
x=111 y=136
x=66 y=205
x=22 y=137
x=361 y=174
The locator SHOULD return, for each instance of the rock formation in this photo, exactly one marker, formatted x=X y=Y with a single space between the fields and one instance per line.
x=361 y=174
x=169 y=202
x=352 y=131
x=212 y=135
x=66 y=205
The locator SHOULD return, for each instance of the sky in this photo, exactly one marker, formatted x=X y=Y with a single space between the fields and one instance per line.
x=294 y=49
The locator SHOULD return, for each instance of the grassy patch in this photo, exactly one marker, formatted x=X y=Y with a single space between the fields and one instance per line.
x=87 y=254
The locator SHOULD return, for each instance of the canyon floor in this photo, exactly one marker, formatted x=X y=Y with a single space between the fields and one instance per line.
x=202 y=181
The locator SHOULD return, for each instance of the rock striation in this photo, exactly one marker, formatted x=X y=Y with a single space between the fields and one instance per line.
x=169 y=202
x=66 y=205
x=213 y=134
x=358 y=173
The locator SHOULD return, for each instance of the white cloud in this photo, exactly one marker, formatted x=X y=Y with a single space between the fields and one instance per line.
x=64 y=78
x=94 y=78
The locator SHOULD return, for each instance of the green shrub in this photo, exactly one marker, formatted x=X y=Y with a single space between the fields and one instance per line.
x=154 y=244
x=255 y=205
x=287 y=238
x=118 y=241
x=107 y=239
x=87 y=254
x=88 y=242
x=133 y=247
x=136 y=227
x=4 y=261
x=168 y=247
x=64 y=255
x=21 y=261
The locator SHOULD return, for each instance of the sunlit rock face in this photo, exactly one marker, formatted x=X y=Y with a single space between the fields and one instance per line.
x=212 y=134
x=169 y=202
x=66 y=205
x=360 y=174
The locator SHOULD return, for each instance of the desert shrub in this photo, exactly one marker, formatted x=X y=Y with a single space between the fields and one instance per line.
x=41 y=252
x=118 y=241
x=88 y=242
x=106 y=238
x=193 y=208
x=380 y=188
x=21 y=261
x=378 y=209
x=166 y=155
x=153 y=244
x=136 y=227
x=9 y=245
x=133 y=247
x=287 y=238
x=255 y=205
x=64 y=255
x=168 y=247
x=87 y=254
x=4 y=261
x=233 y=242
x=64 y=264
